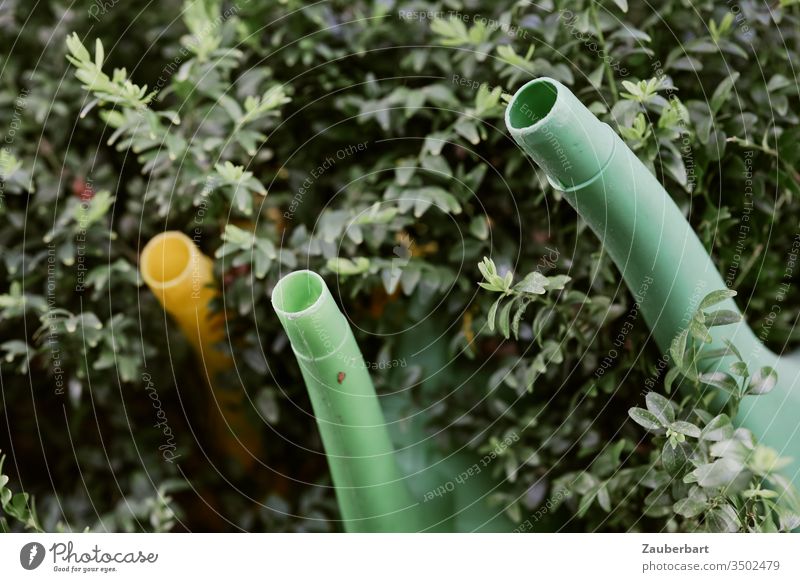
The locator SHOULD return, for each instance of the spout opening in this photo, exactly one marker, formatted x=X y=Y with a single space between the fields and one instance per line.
x=532 y=103
x=166 y=259
x=298 y=293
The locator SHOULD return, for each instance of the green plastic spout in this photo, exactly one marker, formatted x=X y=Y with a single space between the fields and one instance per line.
x=389 y=477
x=370 y=490
x=662 y=260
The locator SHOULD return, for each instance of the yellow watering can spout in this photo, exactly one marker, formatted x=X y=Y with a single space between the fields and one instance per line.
x=182 y=279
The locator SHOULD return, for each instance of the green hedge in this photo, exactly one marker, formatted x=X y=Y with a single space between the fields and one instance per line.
x=364 y=139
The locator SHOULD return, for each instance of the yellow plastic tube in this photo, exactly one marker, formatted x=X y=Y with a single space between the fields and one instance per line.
x=182 y=279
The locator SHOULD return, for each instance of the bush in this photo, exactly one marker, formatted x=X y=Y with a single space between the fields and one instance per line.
x=364 y=139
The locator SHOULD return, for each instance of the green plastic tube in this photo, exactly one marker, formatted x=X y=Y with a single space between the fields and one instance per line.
x=655 y=248
x=371 y=492
x=389 y=476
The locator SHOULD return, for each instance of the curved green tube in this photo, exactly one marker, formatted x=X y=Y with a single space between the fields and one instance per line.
x=370 y=489
x=662 y=260
x=378 y=488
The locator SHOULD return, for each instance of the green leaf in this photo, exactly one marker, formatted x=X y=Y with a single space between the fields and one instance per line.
x=608 y=460
x=77 y=49
x=503 y=321
x=541 y=322
x=720 y=380
x=685 y=428
x=789 y=520
x=467 y=129
x=452 y=32
x=518 y=313
x=534 y=283
x=485 y=100
x=734 y=350
x=677 y=348
x=490 y=317
x=778 y=82
x=670 y=378
x=763 y=381
x=699 y=331
x=718 y=428
x=404 y=171
x=722 y=520
x=632 y=89
x=586 y=502
x=765 y=461
x=645 y=418
x=675 y=459
x=9 y=165
x=557 y=282
x=760 y=493
x=88 y=214
x=689 y=507
x=723 y=92
x=438 y=167
x=722 y=317
x=20 y=501
x=660 y=407
x=739 y=369
x=238 y=236
x=603 y=498
x=391 y=278
x=720 y=473
x=487 y=268
x=479 y=228
x=716 y=297
x=730 y=449
x=344 y=266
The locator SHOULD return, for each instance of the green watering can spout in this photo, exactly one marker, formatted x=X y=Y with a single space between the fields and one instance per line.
x=663 y=262
x=370 y=490
x=389 y=476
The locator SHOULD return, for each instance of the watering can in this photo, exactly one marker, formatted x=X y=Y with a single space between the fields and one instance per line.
x=653 y=246
x=384 y=479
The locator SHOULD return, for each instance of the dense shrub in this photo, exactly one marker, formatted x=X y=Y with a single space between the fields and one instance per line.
x=364 y=139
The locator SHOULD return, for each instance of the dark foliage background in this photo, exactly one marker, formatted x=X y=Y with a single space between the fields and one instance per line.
x=89 y=175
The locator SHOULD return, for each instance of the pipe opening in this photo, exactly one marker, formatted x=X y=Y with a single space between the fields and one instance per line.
x=166 y=258
x=532 y=104
x=297 y=291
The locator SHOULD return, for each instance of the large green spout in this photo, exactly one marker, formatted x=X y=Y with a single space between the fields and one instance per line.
x=650 y=241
